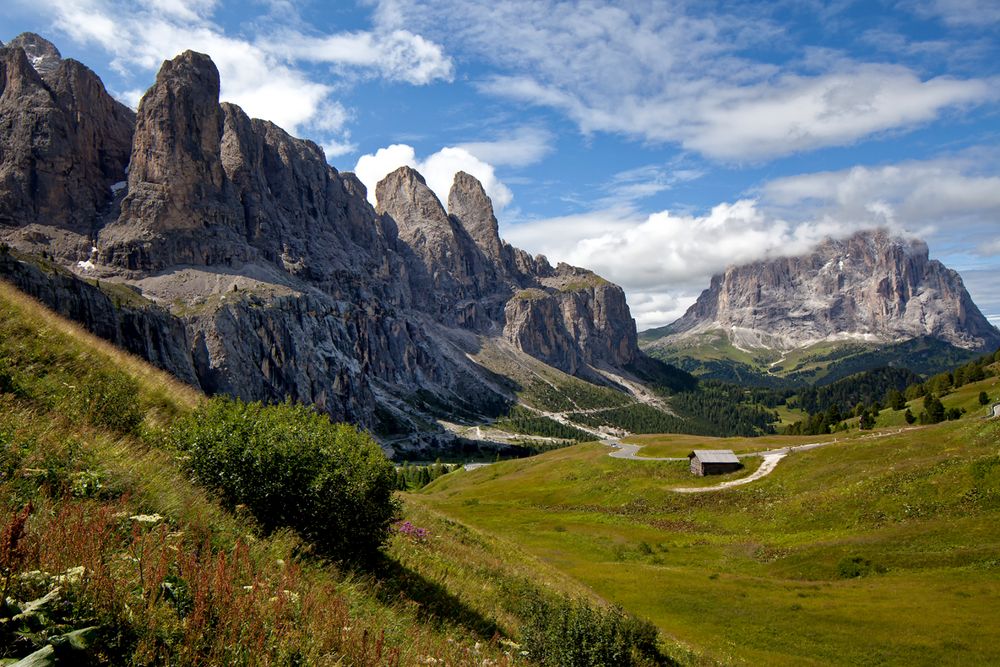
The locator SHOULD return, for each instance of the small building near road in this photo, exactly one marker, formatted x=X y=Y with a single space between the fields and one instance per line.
x=713 y=462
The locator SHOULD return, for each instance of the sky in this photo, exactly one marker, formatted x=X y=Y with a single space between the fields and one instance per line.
x=653 y=142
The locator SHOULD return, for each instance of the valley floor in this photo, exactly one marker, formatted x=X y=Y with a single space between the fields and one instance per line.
x=868 y=551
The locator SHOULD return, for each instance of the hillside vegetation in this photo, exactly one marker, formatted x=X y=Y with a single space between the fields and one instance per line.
x=867 y=551
x=111 y=554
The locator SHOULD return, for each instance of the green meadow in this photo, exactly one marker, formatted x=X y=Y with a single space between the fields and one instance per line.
x=868 y=551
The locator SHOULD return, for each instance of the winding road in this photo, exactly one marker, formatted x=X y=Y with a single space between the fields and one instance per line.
x=770 y=457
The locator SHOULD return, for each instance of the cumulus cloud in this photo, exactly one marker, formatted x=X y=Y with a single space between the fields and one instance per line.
x=664 y=72
x=260 y=73
x=438 y=169
x=664 y=259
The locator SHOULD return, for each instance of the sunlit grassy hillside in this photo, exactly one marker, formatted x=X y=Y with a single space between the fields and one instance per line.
x=867 y=551
x=111 y=555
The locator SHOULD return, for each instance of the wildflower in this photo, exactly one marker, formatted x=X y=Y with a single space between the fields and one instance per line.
x=146 y=518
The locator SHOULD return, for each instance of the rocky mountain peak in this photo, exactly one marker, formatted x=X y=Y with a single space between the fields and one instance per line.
x=65 y=142
x=176 y=180
x=283 y=278
x=872 y=286
x=41 y=53
x=469 y=204
x=179 y=125
x=404 y=195
x=442 y=256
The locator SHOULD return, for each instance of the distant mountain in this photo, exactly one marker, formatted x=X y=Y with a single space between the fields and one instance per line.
x=872 y=296
x=230 y=253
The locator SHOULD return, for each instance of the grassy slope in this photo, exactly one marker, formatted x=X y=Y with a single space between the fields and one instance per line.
x=965 y=397
x=433 y=597
x=751 y=575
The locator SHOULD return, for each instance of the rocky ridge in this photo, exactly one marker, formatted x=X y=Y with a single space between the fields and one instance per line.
x=871 y=287
x=281 y=276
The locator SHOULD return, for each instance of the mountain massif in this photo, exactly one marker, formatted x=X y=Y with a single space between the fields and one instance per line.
x=233 y=255
x=871 y=290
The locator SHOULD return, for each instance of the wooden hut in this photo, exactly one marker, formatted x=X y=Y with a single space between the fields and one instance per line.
x=713 y=462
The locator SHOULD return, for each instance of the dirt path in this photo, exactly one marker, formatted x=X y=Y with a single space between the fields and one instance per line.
x=766 y=468
x=771 y=457
x=626 y=451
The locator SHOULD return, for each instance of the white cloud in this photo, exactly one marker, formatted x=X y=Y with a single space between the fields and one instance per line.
x=521 y=147
x=663 y=260
x=397 y=55
x=259 y=73
x=959 y=13
x=917 y=194
x=670 y=72
x=989 y=248
x=438 y=169
x=642 y=182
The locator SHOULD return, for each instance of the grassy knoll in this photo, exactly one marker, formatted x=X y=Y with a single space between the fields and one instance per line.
x=868 y=551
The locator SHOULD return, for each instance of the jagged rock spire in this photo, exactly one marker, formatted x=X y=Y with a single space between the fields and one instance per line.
x=469 y=204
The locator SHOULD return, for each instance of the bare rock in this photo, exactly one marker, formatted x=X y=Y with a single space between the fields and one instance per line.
x=65 y=142
x=871 y=287
x=180 y=208
x=42 y=54
x=473 y=209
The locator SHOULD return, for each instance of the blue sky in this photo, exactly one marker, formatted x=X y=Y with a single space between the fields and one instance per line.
x=654 y=142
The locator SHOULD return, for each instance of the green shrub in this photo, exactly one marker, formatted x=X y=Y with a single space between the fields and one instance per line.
x=857 y=566
x=110 y=399
x=292 y=468
x=561 y=632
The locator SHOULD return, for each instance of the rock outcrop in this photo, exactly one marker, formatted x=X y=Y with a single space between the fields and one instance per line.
x=65 y=145
x=869 y=287
x=271 y=274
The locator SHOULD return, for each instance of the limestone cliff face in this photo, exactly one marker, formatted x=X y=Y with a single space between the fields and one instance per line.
x=871 y=286
x=279 y=278
x=180 y=209
x=577 y=319
x=64 y=144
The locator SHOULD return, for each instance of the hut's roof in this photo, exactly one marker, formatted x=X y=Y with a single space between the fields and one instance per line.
x=714 y=456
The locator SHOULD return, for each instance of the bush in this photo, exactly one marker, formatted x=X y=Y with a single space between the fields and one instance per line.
x=292 y=468
x=111 y=399
x=560 y=632
x=857 y=566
